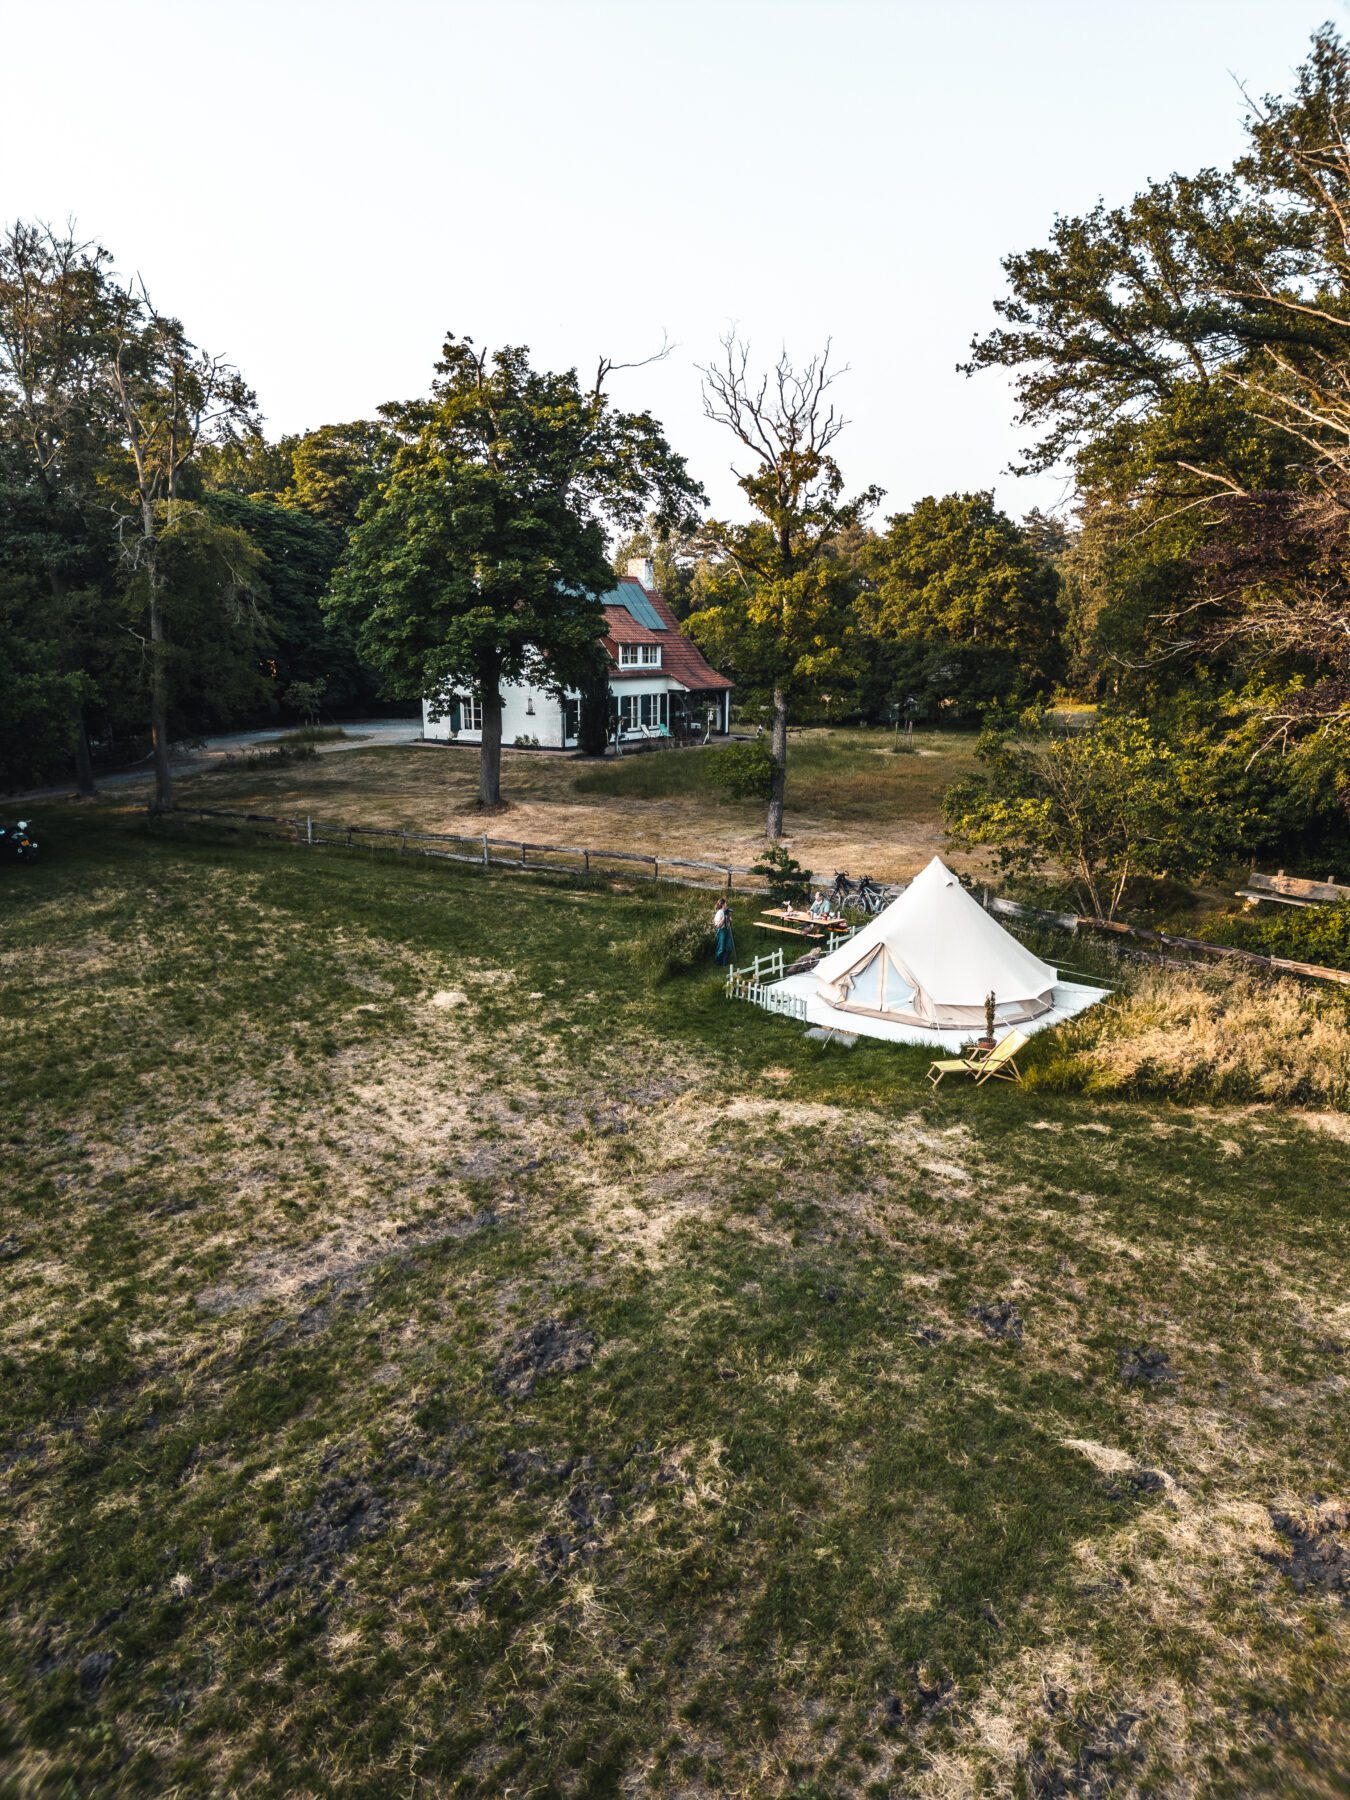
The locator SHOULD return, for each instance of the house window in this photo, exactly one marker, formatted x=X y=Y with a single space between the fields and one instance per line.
x=628 y=656
x=643 y=709
x=471 y=715
x=651 y=655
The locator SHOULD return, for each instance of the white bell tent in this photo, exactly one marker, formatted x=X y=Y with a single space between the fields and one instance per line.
x=920 y=971
x=931 y=957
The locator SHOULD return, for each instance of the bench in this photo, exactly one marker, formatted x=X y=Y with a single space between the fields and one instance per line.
x=1291 y=890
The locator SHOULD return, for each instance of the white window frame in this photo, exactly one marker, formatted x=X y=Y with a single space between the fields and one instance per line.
x=651 y=655
x=639 y=710
x=470 y=713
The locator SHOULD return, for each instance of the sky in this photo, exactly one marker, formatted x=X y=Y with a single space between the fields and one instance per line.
x=323 y=191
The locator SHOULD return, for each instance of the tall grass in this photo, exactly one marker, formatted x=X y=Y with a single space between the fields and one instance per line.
x=1209 y=1035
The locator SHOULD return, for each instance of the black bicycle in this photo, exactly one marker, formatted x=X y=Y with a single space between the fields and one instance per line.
x=863 y=895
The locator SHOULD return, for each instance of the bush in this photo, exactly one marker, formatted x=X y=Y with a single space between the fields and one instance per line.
x=672 y=947
x=1310 y=934
x=744 y=771
x=268 y=759
x=1209 y=1035
x=310 y=734
x=789 y=883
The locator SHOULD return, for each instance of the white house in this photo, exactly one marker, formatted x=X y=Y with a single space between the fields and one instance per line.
x=659 y=682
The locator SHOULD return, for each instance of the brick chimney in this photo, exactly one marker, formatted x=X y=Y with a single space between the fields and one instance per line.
x=641 y=568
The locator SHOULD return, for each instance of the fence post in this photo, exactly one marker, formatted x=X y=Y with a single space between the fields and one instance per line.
x=485 y=850
x=309 y=830
x=585 y=862
x=403 y=840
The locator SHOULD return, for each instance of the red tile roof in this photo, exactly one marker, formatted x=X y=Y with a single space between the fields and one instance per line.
x=681 y=658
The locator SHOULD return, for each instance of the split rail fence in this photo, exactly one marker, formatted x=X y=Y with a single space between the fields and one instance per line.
x=488 y=852
x=1163 y=946
x=568 y=859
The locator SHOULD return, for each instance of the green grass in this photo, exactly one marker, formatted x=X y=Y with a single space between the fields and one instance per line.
x=846 y=774
x=296 y=1144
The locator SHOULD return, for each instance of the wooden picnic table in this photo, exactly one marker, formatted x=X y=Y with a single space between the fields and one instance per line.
x=791 y=923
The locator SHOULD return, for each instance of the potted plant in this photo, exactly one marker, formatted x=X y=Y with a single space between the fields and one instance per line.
x=985 y=1044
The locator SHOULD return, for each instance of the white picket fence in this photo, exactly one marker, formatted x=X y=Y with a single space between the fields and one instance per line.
x=754 y=983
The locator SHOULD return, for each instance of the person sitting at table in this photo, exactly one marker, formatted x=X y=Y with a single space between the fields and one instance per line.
x=820 y=906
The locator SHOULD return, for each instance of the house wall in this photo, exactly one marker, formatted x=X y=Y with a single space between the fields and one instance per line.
x=547 y=720
x=435 y=728
x=544 y=722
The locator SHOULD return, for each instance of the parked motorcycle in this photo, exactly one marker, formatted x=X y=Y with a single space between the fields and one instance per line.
x=17 y=844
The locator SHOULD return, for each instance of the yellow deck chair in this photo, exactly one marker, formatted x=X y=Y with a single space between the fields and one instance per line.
x=999 y=1065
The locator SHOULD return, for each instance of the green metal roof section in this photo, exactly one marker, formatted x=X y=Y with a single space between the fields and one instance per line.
x=633 y=598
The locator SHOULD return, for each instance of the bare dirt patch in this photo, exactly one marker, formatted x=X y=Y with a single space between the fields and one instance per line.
x=1317 y=1557
x=885 y=822
x=549 y=1348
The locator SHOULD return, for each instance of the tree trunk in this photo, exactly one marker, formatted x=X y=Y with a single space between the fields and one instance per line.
x=84 y=763
x=778 y=751
x=162 y=799
x=490 y=756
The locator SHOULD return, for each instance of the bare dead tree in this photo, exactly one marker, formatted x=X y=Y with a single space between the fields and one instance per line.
x=787 y=424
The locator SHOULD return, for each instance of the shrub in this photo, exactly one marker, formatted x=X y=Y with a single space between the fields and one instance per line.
x=672 y=947
x=283 y=753
x=789 y=884
x=1209 y=1035
x=310 y=734
x=744 y=771
x=1310 y=934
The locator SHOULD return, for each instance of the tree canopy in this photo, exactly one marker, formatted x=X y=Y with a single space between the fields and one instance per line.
x=480 y=558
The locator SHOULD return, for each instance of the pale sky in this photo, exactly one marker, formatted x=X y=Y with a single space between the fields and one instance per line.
x=322 y=190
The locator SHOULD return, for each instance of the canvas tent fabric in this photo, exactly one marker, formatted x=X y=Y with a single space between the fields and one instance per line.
x=931 y=957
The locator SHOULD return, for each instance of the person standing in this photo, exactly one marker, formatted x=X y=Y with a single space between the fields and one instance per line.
x=724 y=942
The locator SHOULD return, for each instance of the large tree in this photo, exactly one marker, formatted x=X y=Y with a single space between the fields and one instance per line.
x=955 y=584
x=55 y=422
x=776 y=617
x=1093 y=809
x=171 y=400
x=479 y=559
x=1191 y=352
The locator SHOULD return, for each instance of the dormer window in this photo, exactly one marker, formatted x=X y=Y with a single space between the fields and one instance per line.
x=651 y=655
x=639 y=656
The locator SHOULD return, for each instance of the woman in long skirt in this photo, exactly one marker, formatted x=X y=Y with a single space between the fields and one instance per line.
x=724 y=943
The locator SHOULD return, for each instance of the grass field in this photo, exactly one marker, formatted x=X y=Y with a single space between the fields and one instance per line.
x=434 y=1362
x=852 y=804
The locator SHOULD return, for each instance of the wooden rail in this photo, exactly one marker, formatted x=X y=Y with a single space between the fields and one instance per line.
x=1165 y=941
x=515 y=853
x=487 y=851
x=1293 y=890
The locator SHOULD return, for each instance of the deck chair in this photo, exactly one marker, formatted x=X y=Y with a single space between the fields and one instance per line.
x=999 y=1065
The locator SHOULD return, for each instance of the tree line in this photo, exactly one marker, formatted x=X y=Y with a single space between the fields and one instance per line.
x=1187 y=355
x=164 y=565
